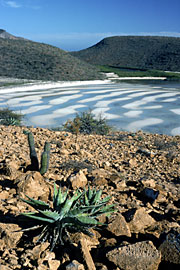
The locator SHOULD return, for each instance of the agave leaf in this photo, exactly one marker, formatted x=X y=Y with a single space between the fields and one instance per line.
x=37 y=217
x=97 y=197
x=30 y=229
x=43 y=235
x=108 y=208
x=55 y=192
x=50 y=214
x=68 y=203
x=89 y=221
x=36 y=204
x=57 y=197
x=86 y=199
x=64 y=196
x=90 y=193
x=106 y=199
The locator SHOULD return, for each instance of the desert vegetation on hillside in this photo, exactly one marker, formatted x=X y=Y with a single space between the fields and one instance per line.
x=138 y=52
x=31 y=60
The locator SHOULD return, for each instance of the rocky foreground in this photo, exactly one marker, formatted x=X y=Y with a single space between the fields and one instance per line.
x=140 y=171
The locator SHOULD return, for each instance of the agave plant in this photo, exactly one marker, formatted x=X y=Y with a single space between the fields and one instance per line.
x=69 y=214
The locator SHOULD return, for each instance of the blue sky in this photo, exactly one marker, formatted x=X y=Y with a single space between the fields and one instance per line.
x=78 y=24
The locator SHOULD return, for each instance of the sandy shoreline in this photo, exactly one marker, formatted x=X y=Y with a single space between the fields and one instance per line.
x=39 y=85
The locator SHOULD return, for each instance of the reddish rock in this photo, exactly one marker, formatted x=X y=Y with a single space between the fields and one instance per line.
x=78 y=180
x=140 y=221
x=119 y=226
x=141 y=256
x=170 y=248
x=9 y=235
x=33 y=185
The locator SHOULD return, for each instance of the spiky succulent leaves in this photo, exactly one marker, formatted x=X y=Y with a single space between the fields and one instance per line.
x=33 y=154
x=64 y=210
x=59 y=198
x=43 y=217
x=36 y=204
x=69 y=214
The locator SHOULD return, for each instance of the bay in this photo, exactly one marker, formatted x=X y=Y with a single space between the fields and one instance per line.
x=151 y=106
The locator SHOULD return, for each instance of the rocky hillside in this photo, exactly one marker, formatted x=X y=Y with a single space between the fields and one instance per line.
x=137 y=52
x=140 y=171
x=6 y=35
x=20 y=58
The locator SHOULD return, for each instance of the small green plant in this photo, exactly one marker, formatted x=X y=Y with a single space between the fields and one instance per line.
x=10 y=118
x=68 y=214
x=33 y=155
x=86 y=123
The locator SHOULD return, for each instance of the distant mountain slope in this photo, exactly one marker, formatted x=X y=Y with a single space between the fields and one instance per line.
x=6 y=35
x=141 y=52
x=20 y=58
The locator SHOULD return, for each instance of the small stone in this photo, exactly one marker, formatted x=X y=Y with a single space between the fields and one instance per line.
x=53 y=264
x=75 y=265
x=150 y=193
x=78 y=180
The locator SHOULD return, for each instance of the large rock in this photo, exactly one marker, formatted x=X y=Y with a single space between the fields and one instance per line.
x=33 y=185
x=119 y=226
x=170 y=248
x=138 y=256
x=140 y=220
x=9 y=235
x=10 y=168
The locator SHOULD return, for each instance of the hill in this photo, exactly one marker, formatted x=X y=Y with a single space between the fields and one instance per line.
x=20 y=58
x=6 y=35
x=137 y=52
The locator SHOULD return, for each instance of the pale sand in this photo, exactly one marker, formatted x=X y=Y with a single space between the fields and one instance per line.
x=137 y=78
x=49 y=85
x=137 y=125
x=62 y=100
x=154 y=107
x=33 y=86
x=35 y=109
x=105 y=103
x=176 y=111
x=102 y=112
x=67 y=110
x=169 y=100
x=136 y=104
x=133 y=114
x=175 y=131
x=49 y=119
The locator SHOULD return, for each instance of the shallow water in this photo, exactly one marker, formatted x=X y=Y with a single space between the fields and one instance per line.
x=152 y=106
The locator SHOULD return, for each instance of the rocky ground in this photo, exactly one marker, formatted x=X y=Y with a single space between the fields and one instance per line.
x=140 y=171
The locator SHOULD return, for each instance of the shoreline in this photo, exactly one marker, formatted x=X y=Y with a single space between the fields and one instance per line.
x=40 y=85
x=113 y=76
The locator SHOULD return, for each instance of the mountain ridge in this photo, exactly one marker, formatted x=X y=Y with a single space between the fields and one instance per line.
x=6 y=35
x=25 y=59
x=138 y=52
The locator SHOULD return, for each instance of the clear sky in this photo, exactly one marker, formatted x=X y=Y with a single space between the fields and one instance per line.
x=78 y=24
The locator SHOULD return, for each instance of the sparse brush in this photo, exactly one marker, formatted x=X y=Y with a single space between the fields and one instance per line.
x=10 y=118
x=69 y=214
x=86 y=123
